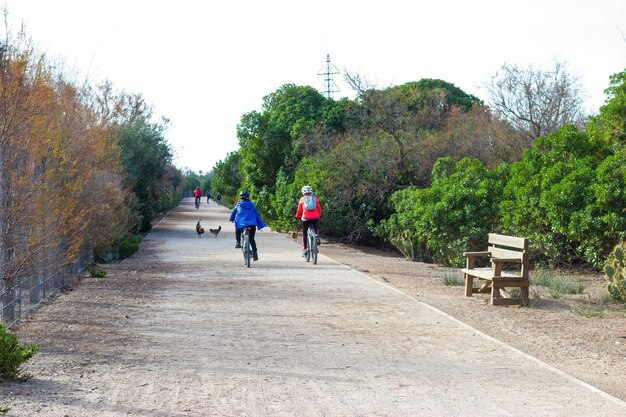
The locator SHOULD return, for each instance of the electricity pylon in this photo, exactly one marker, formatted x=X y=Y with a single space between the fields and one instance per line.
x=328 y=71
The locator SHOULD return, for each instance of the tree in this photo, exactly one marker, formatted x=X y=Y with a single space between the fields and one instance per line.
x=327 y=133
x=563 y=197
x=404 y=116
x=54 y=154
x=227 y=177
x=25 y=95
x=63 y=189
x=267 y=139
x=114 y=108
x=536 y=102
x=146 y=156
x=381 y=145
x=476 y=133
x=610 y=125
x=567 y=194
x=141 y=150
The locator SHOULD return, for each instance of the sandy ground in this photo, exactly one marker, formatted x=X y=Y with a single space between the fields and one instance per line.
x=182 y=329
x=556 y=331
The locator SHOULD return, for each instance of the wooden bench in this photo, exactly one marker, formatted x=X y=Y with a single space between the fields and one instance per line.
x=502 y=253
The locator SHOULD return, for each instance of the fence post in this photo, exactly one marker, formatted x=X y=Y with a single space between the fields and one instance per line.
x=8 y=311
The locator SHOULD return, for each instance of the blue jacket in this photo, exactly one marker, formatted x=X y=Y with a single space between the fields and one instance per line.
x=245 y=214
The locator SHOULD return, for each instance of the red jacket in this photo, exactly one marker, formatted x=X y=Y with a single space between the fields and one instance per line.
x=309 y=214
x=197 y=193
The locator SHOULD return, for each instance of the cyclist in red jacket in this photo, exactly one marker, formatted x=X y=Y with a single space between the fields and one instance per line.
x=197 y=193
x=310 y=211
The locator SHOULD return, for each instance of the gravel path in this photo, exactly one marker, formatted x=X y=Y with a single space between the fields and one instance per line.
x=183 y=329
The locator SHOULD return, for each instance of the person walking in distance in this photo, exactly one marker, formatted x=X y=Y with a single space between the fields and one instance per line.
x=245 y=214
x=309 y=211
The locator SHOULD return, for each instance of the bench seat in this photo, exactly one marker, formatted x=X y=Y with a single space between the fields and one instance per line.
x=503 y=252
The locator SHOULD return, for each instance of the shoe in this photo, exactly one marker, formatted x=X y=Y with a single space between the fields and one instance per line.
x=255 y=256
x=304 y=253
x=238 y=245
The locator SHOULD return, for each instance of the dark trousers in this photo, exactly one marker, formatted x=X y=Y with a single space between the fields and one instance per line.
x=305 y=228
x=252 y=233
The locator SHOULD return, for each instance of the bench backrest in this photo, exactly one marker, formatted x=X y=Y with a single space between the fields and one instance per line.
x=510 y=247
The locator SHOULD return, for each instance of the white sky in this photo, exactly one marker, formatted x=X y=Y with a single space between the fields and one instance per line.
x=203 y=64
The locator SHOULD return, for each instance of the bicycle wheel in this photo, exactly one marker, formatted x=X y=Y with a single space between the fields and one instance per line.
x=307 y=257
x=246 y=248
x=313 y=248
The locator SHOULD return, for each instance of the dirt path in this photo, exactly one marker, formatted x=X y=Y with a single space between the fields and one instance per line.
x=182 y=329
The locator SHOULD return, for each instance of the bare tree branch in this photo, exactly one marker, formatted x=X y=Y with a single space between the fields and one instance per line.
x=536 y=102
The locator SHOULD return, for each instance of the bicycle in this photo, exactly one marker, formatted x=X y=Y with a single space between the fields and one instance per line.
x=311 y=247
x=245 y=246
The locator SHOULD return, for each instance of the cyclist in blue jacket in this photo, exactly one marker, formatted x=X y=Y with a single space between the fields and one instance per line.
x=245 y=214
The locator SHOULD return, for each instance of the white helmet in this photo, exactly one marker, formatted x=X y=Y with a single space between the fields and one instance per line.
x=307 y=189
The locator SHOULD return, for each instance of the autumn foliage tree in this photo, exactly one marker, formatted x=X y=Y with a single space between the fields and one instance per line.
x=53 y=157
x=66 y=185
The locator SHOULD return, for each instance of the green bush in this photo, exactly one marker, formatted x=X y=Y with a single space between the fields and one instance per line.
x=96 y=271
x=454 y=215
x=284 y=203
x=547 y=195
x=12 y=354
x=615 y=270
x=564 y=196
x=129 y=246
x=121 y=250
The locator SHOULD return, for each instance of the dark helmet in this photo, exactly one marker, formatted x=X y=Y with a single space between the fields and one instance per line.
x=244 y=194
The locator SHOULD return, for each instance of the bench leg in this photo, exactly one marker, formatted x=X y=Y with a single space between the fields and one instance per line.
x=469 y=285
x=495 y=292
x=524 y=295
x=497 y=299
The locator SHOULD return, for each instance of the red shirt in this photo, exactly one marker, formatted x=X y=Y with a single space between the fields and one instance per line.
x=197 y=193
x=309 y=214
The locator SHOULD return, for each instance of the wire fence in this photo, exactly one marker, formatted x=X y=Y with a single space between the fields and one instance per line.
x=29 y=291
